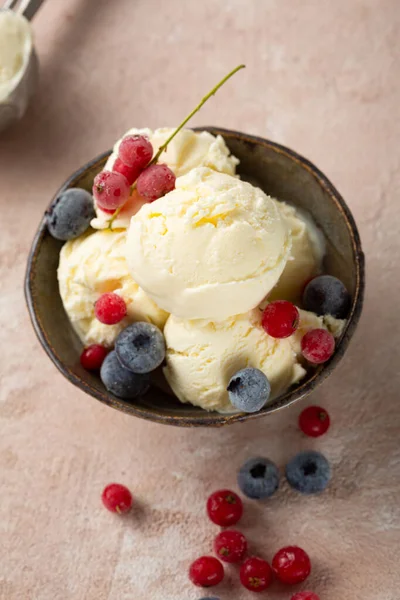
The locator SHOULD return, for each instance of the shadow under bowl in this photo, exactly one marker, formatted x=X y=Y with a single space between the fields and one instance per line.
x=281 y=173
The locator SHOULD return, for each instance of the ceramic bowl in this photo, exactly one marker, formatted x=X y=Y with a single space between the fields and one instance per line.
x=278 y=171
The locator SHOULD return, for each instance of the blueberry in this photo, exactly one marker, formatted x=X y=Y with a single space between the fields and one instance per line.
x=140 y=347
x=258 y=478
x=209 y=598
x=327 y=295
x=70 y=214
x=120 y=381
x=249 y=390
x=308 y=472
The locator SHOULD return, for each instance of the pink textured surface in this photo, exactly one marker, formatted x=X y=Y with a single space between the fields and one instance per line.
x=321 y=78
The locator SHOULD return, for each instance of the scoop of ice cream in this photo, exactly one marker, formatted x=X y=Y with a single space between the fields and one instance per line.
x=189 y=149
x=202 y=357
x=305 y=260
x=15 y=48
x=90 y=266
x=211 y=248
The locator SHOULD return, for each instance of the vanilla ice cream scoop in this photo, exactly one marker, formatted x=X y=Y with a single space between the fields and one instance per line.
x=18 y=66
x=212 y=248
x=188 y=149
x=202 y=357
x=90 y=266
x=306 y=255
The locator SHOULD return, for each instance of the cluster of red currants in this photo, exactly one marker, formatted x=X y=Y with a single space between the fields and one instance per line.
x=112 y=189
x=291 y=565
x=281 y=318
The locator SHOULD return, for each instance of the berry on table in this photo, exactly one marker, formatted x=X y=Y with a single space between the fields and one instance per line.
x=258 y=478
x=92 y=357
x=224 y=508
x=249 y=390
x=70 y=214
x=206 y=571
x=256 y=574
x=230 y=546
x=140 y=347
x=120 y=381
x=308 y=472
x=155 y=181
x=291 y=565
x=135 y=151
x=327 y=295
x=305 y=596
x=110 y=308
x=209 y=598
x=280 y=319
x=314 y=421
x=131 y=173
x=111 y=189
x=117 y=498
x=317 y=346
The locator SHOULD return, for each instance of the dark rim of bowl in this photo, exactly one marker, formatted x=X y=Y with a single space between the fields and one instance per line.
x=212 y=419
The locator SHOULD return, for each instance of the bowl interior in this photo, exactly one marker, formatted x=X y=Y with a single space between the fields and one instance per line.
x=280 y=173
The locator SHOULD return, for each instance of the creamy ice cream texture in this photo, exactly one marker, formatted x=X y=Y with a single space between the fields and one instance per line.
x=202 y=356
x=90 y=266
x=15 y=48
x=306 y=255
x=189 y=149
x=211 y=248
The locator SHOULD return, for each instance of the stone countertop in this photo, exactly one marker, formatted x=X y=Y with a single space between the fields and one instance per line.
x=322 y=79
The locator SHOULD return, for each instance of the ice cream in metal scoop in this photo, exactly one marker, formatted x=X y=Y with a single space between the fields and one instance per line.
x=18 y=59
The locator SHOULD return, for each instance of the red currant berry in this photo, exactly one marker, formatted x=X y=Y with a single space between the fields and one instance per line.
x=117 y=498
x=305 y=596
x=317 y=346
x=155 y=181
x=111 y=190
x=280 y=319
x=110 y=308
x=135 y=151
x=224 y=508
x=291 y=565
x=256 y=574
x=206 y=571
x=131 y=173
x=92 y=357
x=230 y=546
x=314 y=421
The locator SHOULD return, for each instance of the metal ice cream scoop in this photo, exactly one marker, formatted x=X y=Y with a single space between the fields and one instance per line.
x=16 y=94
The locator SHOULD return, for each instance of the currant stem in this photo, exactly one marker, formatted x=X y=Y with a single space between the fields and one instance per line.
x=115 y=215
x=194 y=111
